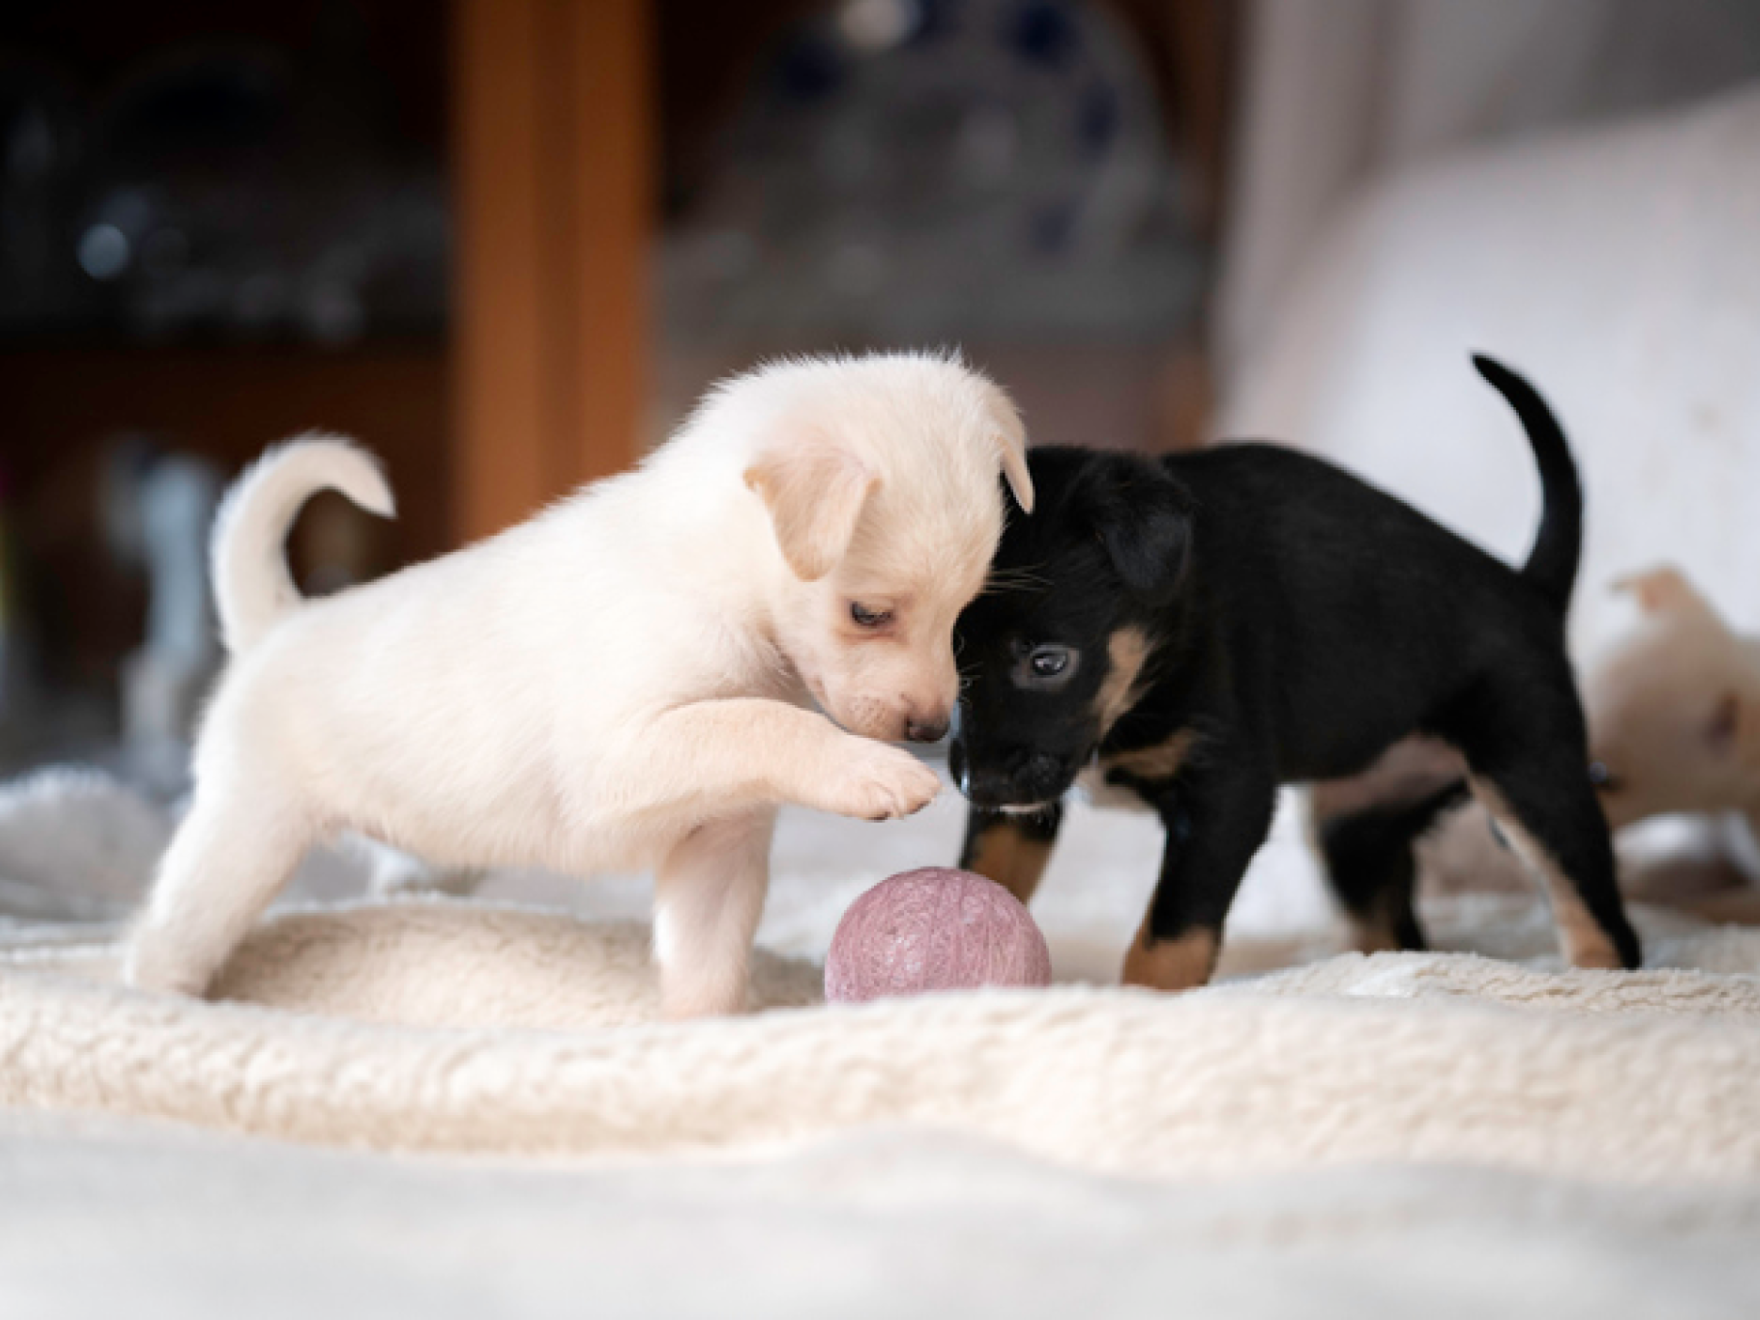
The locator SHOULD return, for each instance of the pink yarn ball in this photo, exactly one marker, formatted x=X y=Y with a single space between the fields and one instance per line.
x=933 y=929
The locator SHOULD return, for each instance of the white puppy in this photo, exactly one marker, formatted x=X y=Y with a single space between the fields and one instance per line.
x=621 y=682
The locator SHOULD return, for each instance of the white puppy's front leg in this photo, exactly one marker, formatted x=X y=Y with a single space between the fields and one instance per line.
x=731 y=762
x=708 y=895
x=714 y=757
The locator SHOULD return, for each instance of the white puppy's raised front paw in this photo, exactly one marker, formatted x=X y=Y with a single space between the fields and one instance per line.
x=872 y=781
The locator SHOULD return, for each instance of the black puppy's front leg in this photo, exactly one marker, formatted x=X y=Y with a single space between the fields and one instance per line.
x=1216 y=816
x=1011 y=848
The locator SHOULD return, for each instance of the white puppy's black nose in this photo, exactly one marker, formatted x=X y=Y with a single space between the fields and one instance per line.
x=925 y=731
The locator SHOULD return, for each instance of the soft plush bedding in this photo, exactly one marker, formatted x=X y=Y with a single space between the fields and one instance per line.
x=460 y=1026
x=472 y=1106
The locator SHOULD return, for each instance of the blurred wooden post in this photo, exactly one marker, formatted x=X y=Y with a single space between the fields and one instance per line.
x=553 y=164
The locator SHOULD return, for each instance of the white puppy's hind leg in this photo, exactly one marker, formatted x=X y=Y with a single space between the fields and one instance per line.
x=708 y=896
x=232 y=854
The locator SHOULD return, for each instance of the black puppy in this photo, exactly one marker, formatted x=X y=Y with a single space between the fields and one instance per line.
x=1205 y=627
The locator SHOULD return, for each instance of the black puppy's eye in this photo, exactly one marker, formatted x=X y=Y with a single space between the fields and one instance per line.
x=1045 y=668
x=1603 y=778
x=1049 y=661
x=867 y=618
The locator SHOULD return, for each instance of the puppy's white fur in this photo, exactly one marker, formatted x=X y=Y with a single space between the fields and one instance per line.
x=622 y=681
x=1674 y=708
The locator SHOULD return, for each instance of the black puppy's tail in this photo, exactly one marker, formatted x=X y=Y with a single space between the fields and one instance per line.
x=1558 y=546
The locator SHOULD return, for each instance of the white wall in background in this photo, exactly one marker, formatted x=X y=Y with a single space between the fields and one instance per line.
x=1341 y=92
x=1619 y=267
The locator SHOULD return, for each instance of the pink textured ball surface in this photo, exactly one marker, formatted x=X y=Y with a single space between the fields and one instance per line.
x=933 y=929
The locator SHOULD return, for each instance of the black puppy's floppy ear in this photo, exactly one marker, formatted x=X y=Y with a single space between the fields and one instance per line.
x=1144 y=519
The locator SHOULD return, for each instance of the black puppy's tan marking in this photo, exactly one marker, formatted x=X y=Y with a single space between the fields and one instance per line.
x=1011 y=848
x=1158 y=763
x=1208 y=626
x=1182 y=962
x=1126 y=650
x=1585 y=943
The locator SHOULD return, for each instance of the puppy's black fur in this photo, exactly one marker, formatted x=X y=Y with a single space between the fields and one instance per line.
x=1205 y=627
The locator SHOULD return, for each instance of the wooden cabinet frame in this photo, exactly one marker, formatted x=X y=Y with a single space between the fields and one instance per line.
x=553 y=165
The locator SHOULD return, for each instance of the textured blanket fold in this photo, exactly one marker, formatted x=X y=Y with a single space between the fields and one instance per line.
x=465 y=1026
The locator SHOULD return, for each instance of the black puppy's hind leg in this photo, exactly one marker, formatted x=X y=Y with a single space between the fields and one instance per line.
x=1371 y=862
x=1011 y=848
x=1527 y=748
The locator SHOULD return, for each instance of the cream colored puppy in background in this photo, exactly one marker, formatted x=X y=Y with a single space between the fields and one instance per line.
x=1674 y=709
x=620 y=683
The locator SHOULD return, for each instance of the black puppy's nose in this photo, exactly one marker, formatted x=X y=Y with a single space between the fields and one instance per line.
x=925 y=731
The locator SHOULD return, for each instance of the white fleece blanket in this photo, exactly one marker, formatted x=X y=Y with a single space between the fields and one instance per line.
x=1336 y=1139
x=513 y=1031
x=1345 y=1134
x=480 y=1026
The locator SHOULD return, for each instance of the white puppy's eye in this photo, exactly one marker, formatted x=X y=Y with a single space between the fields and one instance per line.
x=867 y=618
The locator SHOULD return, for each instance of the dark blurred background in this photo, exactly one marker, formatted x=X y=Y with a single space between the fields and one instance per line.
x=505 y=243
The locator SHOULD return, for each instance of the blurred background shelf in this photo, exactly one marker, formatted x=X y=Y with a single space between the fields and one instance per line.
x=226 y=402
x=507 y=243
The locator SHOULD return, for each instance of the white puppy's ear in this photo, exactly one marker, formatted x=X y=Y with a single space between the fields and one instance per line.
x=814 y=490
x=1011 y=439
x=1664 y=588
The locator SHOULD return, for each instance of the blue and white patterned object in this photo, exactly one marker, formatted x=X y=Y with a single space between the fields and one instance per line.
x=915 y=168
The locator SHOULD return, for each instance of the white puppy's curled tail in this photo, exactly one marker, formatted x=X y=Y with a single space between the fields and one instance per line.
x=253 y=591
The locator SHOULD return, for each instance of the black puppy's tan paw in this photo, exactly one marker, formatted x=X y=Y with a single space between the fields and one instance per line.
x=1183 y=962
